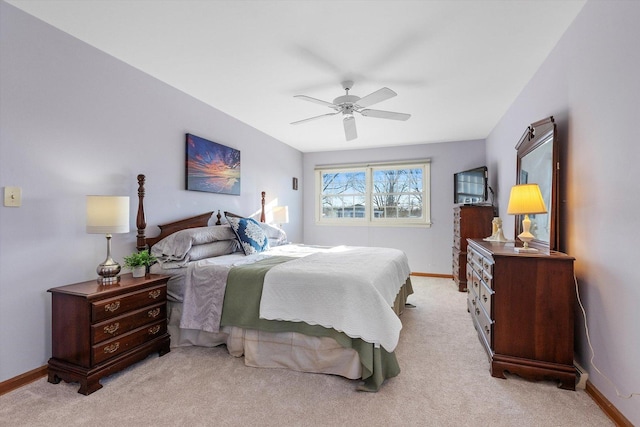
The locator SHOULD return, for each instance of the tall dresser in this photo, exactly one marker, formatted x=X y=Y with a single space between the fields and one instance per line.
x=469 y=221
x=521 y=305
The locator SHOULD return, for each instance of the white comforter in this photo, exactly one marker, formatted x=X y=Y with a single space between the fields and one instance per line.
x=350 y=289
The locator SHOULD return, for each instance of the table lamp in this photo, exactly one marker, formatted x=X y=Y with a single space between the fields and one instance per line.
x=107 y=215
x=526 y=199
x=281 y=215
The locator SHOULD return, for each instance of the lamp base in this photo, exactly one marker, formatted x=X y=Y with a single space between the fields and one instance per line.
x=109 y=272
x=526 y=237
x=108 y=280
x=109 y=269
x=525 y=249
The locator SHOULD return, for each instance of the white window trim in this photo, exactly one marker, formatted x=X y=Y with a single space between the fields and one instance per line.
x=369 y=220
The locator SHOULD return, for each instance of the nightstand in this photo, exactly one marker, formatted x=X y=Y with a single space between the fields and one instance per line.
x=101 y=329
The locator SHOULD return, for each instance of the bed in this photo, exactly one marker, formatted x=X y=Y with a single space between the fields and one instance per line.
x=236 y=281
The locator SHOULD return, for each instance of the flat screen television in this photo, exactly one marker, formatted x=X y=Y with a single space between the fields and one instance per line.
x=470 y=186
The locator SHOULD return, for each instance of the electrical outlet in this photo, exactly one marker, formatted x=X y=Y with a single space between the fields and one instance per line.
x=13 y=196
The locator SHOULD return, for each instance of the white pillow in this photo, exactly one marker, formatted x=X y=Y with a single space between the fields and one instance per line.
x=213 y=249
x=176 y=246
x=276 y=235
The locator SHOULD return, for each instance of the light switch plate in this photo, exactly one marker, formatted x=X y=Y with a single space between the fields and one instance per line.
x=13 y=196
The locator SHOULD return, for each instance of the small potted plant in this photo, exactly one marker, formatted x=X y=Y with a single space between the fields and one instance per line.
x=138 y=262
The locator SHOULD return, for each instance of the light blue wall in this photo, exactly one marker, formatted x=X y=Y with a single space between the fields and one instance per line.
x=75 y=121
x=590 y=84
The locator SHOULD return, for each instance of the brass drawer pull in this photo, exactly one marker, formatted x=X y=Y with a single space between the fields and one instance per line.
x=112 y=307
x=154 y=330
x=484 y=297
x=154 y=313
x=112 y=348
x=110 y=329
x=486 y=329
x=155 y=293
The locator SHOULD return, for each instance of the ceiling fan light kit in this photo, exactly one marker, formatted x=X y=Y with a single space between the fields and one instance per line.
x=348 y=104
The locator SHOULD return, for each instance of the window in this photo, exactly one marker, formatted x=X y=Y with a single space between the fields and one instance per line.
x=390 y=194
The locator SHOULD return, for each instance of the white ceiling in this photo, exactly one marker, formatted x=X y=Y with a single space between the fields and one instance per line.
x=456 y=65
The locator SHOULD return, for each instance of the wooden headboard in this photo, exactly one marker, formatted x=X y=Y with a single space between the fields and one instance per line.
x=202 y=220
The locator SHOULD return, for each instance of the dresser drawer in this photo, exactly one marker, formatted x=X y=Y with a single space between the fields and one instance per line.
x=121 y=325
x=487 y=265
x=486 y=326
x=486 y=297
x=455 y=263
x=481 y=265
x=111 y=348
x=487 y=278
x=475 y=261
x=472 y=302
x=474 y=284
x=107 y=308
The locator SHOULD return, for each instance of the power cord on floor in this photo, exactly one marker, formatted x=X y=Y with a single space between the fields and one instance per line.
x=593 y=355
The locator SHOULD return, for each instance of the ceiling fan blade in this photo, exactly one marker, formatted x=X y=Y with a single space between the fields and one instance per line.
x=316 y=101
x=375 y=97
x=385 y=114
x=314 y=118
x=350 y=128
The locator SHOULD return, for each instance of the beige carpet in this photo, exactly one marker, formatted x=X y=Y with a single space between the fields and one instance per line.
x=445 y=381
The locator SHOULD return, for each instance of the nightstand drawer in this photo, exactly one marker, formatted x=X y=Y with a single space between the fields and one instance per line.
x=117 y=306
x=108 y=349
x=121 y=325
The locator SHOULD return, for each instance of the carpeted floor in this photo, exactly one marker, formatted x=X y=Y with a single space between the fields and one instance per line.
x=445 y=381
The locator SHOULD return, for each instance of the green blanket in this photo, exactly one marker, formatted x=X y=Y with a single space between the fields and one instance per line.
x=242 y=307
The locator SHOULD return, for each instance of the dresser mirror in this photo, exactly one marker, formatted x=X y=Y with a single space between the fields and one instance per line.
x=538 y=163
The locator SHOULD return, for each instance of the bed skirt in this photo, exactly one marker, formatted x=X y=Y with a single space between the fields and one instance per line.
x=291 y=350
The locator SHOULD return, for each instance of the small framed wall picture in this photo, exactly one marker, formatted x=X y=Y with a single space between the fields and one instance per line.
x=295 y=183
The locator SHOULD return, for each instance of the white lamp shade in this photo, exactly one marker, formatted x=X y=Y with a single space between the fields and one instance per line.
x=281 y=214
x=107 y=214
x=526 y=199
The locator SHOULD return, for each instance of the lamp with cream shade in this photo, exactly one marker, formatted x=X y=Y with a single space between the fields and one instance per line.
x=108 y=215
x=526 y=199
x=281 y=215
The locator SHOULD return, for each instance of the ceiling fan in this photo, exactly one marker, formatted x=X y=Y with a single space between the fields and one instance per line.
x=349 y=104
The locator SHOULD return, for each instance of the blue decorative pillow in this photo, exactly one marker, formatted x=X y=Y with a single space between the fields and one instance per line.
x=251 y=236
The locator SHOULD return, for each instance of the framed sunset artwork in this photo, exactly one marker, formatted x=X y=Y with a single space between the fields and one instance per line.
x=212 y=167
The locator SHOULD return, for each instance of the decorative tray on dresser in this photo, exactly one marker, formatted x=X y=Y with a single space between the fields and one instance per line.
x=522 y=308
x=100 y=329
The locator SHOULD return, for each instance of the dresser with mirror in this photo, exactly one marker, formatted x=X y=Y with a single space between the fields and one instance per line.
x=521 y=304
